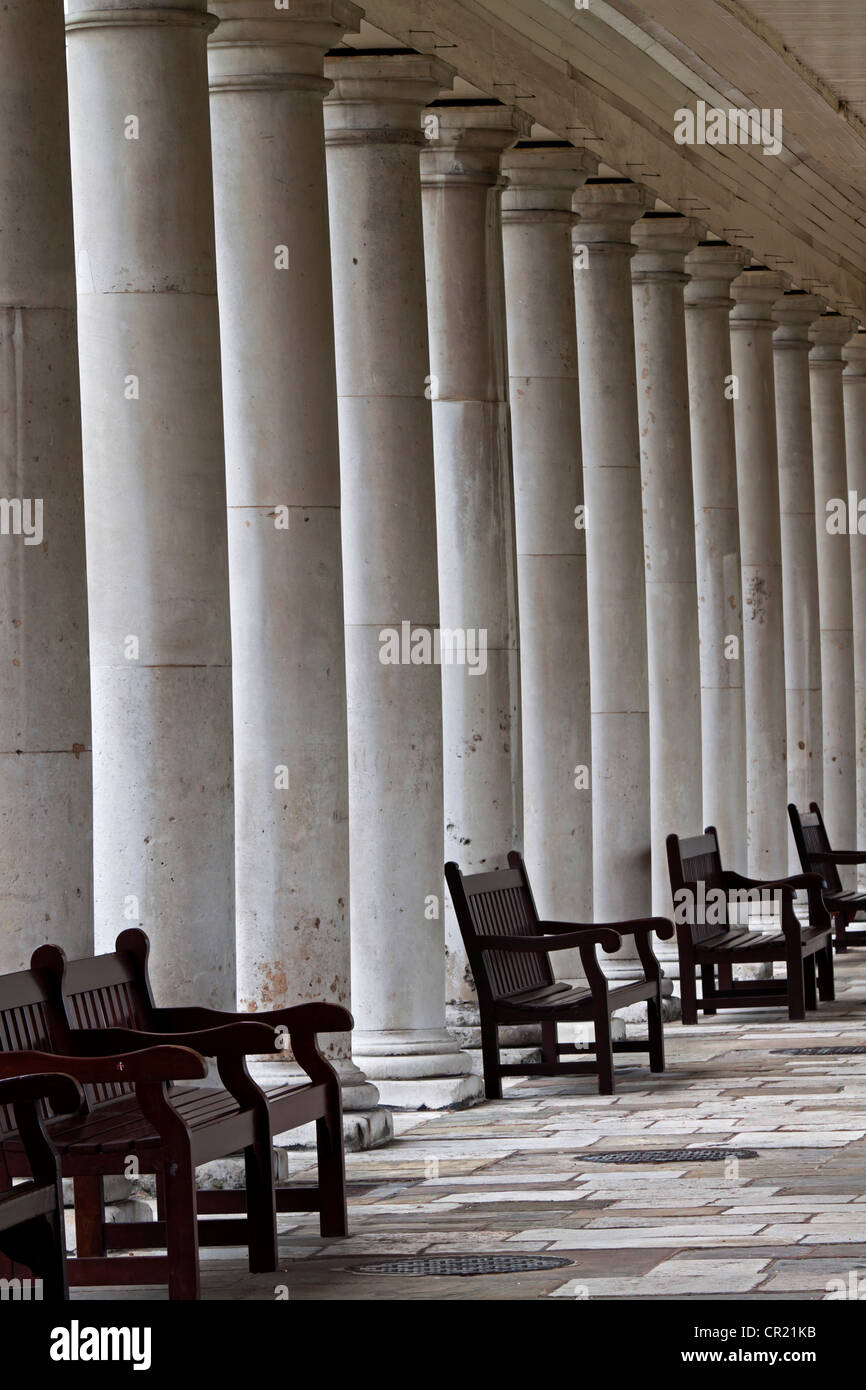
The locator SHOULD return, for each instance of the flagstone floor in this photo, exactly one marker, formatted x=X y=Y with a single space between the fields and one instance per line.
x=513 y=1177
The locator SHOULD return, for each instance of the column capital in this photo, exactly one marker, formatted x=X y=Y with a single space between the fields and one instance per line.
x=607 y=209
x=108 y=14
x=662 y=240
x=794 y=313
x=828 y=335
x=711 y=267
x=378 y=98
x=542 y=179
x=754 y=292
x=258 y=46
x=854 y=357
x=466 y=140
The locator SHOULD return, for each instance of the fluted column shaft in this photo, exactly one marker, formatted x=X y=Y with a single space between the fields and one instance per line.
x=373 y=134
x=46 y=890
x=711 y=268
x=283 y=494
x=614 y=543
x=755 y=292
x=854 y=402
x=794 y=312
x=154 y=488
x=461 y=192
x=673 y=645
x=550 y=528
x=828 y=335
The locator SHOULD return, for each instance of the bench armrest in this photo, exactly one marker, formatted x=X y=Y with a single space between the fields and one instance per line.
x=151 y=1065
x=565 y=941
x=236 y=1039
x=63 y=1093
x=812 y=883
x=837 y=856
x=662 y=926
x=25 y=1095
x=787 y=886
x=302 y=1018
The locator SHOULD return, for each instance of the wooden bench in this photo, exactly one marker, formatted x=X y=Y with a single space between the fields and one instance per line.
x=96 y=1019
x=707 y=939
x=816 y=856
x=509 y=954
x=32 y=1231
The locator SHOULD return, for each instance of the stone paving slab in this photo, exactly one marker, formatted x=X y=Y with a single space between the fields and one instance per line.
x=512 y=1176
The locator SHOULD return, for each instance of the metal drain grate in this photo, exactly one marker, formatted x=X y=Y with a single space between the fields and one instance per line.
x=818 y=1051
x=466 y=1265
x=665 y=1155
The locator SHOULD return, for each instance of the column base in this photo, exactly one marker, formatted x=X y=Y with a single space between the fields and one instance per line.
x=434 y=1092
x=418 y=1069
x=366 y=1123
x=463 y=1022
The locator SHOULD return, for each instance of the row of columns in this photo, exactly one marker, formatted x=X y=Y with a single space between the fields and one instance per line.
x=451 y=381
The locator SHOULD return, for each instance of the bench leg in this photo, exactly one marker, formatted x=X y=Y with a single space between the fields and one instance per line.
x=38 y=1246
x=841 y=937
x=655 y=1029
x=549 y=1048
x=688 y=993
x=490 y=1059
x=7 y=1270
x=89 y=1218
x=333 y=1215
x=181 y=1234
x=604 y=1054
x=708 y=985
x=726 y=976
x=824 y=962
x=809 y=983
x=796 y=985
x=55 y=1279
x=261 y=1203
x=50 y=1252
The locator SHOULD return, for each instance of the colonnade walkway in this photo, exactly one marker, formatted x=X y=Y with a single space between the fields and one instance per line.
x=517 y=1177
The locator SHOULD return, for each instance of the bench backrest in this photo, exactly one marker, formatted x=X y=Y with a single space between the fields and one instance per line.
x=695 y=868
x=25 y=1023
x=108 y=991
x=499 y=903
x=810 y=837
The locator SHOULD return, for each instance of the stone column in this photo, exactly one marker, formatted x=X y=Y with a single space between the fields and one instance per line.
x=373 y=133
x=711 y=268
x=283 y=493
x=828 y=336
x=854 y=400
x=673 y=646
x=794 y=312
x=45 y=758
x=614 y=543
x=755 y=291
x=551 y=536
x=154 y=488
x=461 y=191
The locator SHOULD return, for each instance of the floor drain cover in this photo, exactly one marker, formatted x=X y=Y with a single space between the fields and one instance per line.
x=467 y=1265
x=818 y=1051
x=665 y=1155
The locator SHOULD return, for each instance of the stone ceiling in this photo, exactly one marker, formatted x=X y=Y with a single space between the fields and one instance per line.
x=612 y=76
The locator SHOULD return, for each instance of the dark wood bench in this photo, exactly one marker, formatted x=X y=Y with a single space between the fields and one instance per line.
x=32 y=1231
x=816 y=856
x=96 y=1019
x=707 y=939
x=509 y=954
